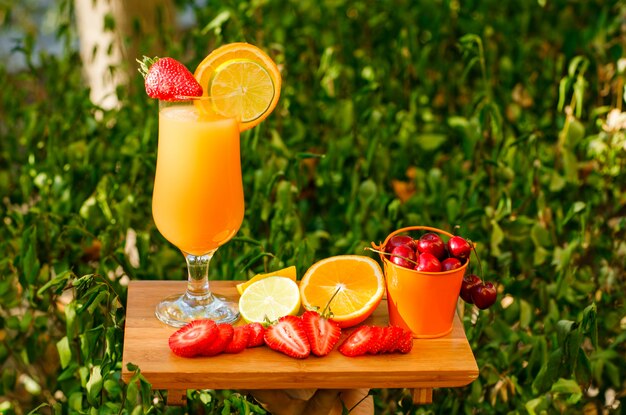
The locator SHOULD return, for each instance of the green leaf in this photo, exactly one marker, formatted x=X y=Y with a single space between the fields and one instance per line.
x=31 y=264
x=574 y=209
x=75 y=401
x=557 y=182
x=549 y=373
x=367 y=192
x=70 y=320
x=65 y=352
x=226 y=410
x=564 y=85
x=569 y=387
x=497 y=236
x=57 y=282
x=575 y=134
x=564 y=327
x=570 y=166
x=526 y=314
x=536 y=406
x=430 y=142
x=583 y=369
x=540 y=236
x=578 y=63
x=102 y=296
x=94 y=385
x=217 y=22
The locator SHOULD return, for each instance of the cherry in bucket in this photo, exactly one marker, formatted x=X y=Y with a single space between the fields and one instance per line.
x=450 y=263
x=400 y=240
x=428 y=262
x=403 y=256
x=429 y=253
x=432 y=243
x=458 y=247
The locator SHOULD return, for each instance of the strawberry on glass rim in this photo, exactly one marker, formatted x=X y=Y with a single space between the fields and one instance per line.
x=167 y=79
x=237 y=80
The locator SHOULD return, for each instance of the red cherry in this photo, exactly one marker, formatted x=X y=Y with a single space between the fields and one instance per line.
x=399 y=254
x=484 y=295
x=427 y=262
x=451 y=263
x=399 y=240
x=432 y=243
x=469 y=282
x=459 y=247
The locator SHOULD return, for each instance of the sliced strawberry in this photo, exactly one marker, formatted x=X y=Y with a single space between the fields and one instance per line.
x=288 y=337
x=257 y=331
x=358 y=343
x=239 y=340
x=167 y=79
x=392 y=336
x=322 y=333
x=193 y=338
x=225 y=334
x=405 y=343
x=378 y=335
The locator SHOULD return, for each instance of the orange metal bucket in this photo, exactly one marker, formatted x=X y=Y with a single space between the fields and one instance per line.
x=422 y=302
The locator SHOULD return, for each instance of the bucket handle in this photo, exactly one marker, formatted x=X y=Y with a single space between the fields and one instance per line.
x=407 y=229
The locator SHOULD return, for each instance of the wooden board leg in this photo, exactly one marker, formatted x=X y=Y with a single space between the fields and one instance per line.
x=177 y=397
x=422 y=395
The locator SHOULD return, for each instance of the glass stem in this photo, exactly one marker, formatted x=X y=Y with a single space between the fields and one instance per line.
x=198 y=291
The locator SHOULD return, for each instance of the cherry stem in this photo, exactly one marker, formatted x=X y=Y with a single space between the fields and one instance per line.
x=480 y=266
x=390 y=254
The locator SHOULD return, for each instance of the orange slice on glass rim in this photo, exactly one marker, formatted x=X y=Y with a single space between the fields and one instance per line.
x=358 y=281
x=242 y=83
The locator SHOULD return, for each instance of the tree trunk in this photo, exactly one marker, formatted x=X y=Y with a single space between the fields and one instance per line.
x=110 y=34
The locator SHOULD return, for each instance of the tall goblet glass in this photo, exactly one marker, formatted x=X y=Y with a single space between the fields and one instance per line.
x=197 y=203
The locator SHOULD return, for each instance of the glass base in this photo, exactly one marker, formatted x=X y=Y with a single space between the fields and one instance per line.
x=178 y=310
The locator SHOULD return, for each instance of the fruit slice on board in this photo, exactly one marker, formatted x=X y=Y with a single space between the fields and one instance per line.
x=358 y=281
x=269 y=299
x=191 y=339
x=242 y=81
x=289 y=272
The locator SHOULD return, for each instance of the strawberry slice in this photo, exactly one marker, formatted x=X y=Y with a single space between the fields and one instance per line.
x=225 y=334
x=322 y=333
x=239 y=340
x=288 y=337
x=405 y=343
x=358 y=343
x=191 y=339
x=391 y=338
x=257 y=332
x=378 y=337
x=167 y=79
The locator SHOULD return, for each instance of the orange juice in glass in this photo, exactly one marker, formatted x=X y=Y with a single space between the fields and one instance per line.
x=197 y=203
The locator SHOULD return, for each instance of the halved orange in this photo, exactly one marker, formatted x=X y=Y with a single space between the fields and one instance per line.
x=358 y=281
x=242 y=81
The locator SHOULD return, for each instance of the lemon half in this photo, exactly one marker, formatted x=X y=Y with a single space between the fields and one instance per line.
x=269 y=299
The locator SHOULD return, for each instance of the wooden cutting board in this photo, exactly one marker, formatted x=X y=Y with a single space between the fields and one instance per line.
x=443 y=362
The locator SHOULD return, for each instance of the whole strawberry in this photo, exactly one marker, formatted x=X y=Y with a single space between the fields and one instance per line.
x=167 y=79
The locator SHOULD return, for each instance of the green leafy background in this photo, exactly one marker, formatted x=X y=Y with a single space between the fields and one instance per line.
x=488 y=115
